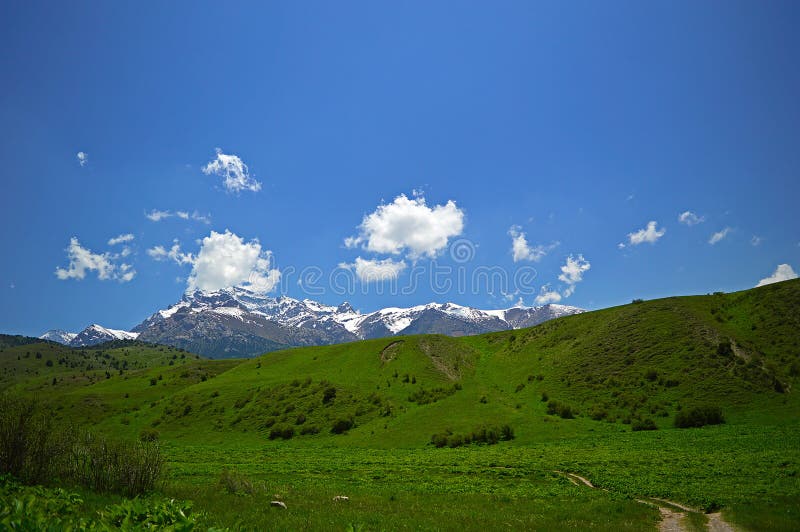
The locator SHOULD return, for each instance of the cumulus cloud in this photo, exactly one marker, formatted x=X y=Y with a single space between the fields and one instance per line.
x=235 y=174
x=175 y=254
x=83 y=260
x=719 y=235
x=156 y=216
x=121 y=239
x=572 y=273
x=650 y=234
x=225 y=260
x=369 y=271
x=408 y=224
x=689 y=218
x=82 y=157
x=783 y=272
x=547 y=296
x=521 y=250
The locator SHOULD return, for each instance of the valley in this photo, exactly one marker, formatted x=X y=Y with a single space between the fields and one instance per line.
x=596 y=395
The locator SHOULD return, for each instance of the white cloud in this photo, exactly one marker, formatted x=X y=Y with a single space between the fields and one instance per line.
x=719 y=235
x=547 y=296
x=572 y=273
x=521 y=250
x=409 y=225
x=225 y=260
x=121 y=239
x=82 y=260
x=689 y=218
x=156 y=216
x=232 y=168
x=82 y=157
x=649 y=234
x=756 y=240
x=783 y=272
x=159 y=253
x=375 y=270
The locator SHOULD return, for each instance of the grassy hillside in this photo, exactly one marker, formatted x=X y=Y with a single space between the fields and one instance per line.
x=359 y=418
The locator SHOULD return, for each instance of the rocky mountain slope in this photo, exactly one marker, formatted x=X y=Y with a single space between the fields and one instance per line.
x=235 y=322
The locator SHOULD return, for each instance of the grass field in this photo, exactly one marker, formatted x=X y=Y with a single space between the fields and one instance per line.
x=307 y=424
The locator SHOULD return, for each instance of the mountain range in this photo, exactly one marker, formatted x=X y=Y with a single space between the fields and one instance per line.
x=236 y=322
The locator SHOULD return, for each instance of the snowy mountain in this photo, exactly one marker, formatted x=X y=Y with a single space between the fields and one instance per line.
x=95 y=334
x=237 y=322
x=57 y=335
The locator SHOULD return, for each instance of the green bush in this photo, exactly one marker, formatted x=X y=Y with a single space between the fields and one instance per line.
x=283 y=432
x=36 y=451
x=564 y=411
x=484 y=435
x=699 y=416
x=148 y=435
x=342 y=425
x=235 y=483
x=39 y=508
x=643 y=424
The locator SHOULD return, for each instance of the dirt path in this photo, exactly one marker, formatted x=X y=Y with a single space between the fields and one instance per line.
x=672 y=513
x=671 y=521
x=717 y=524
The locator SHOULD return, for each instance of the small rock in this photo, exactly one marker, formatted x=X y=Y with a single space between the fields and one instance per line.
x=278 y=504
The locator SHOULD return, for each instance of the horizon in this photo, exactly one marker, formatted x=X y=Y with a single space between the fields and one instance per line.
x=486 y=156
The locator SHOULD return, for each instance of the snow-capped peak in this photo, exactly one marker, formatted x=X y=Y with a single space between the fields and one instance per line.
x=57 y=335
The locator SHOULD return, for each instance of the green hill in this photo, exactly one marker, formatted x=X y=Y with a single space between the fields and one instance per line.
x=575 y=391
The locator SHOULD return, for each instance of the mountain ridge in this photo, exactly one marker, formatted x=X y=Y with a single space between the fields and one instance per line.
x=233 y=322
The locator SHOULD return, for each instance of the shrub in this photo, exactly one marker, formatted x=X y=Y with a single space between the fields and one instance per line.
x=564 y=411
x=328 y=395
x=283 y=432
x=598 y=413
x=30 y=447
x=699 y=417
x=309 y=429
x=235 y=483
x=342 y=425
x=725 y=349
x=643 y=424
x=148 y=435
x=129 y=468
x=426 y=396
x=483 y=435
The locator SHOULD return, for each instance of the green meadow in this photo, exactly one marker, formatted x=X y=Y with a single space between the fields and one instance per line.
x=433 y=432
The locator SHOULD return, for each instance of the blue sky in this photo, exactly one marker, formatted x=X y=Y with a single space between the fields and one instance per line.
x=572 y=124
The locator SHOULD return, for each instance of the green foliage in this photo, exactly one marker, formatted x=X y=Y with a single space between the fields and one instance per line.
x=564 y=411
x=484 y=435
x=342 y=425
x=35 y=450
x=425 y=396
x=39 y=508
x=235 y=483
x=699 y=416
x=643 y=424
x=283 y=432
x=148 y=435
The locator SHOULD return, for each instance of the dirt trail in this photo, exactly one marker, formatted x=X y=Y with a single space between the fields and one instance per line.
x=671 y=521
x=717 y=524
x=672 y=513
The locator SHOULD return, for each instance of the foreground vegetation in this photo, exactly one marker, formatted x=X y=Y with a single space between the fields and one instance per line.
x=689 y=399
